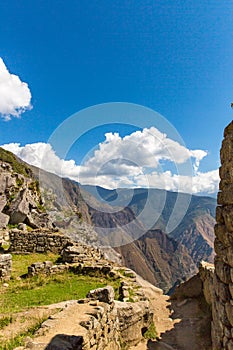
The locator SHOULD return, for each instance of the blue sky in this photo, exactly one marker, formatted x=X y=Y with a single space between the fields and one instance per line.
x=174 y=57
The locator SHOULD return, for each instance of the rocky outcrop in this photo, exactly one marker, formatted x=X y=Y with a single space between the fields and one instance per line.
x=106 y=294
x=222 y=325
x=21 y=200
x=199 y=285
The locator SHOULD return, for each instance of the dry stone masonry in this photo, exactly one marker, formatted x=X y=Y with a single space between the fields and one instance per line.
x=5 y=266
x=222 y=308
x=37 y=241
x=100 y=323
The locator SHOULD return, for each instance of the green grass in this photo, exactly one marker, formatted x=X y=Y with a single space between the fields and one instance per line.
x=17 y=166
x=20 y=262
x=44 y=290
x=19 y=339
x=151 y=332
x=5 y=321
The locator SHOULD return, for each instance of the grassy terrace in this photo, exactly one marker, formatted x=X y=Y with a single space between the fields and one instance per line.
x=22 y=294
x=44 y=290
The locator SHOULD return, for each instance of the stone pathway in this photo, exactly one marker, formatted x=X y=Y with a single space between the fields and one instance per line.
x=181 y=325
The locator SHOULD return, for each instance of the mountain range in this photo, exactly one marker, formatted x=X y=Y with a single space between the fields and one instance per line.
x=161 y=235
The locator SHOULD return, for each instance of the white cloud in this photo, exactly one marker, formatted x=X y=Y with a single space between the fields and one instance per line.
x=15 y=96
x=199 y=183
x=145 y=148
x=132 y=161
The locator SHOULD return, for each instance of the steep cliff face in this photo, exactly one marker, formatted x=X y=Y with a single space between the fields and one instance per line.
x=21 y=201
x=159 y=259
x=197 y=235
x=196 y=230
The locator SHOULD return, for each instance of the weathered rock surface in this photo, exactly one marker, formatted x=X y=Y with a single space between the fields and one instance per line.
x=5 y=266
x=106 y=294
x=110 y=325
x=39 y=240
x=222 y=305
x=21 y=200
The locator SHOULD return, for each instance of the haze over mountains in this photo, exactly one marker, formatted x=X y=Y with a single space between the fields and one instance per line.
x=161 y=255
x=157 y=254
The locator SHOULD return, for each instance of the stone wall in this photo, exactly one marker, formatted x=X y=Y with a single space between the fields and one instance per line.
x=222 y=308
x=100 y=323
x=198 y=286
x=37 y=241
x=5 y=266
x=4 y=237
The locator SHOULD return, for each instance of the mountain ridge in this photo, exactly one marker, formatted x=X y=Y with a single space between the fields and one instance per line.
x=81 y=216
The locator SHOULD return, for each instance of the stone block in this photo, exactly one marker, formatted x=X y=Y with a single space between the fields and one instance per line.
x=220 y=249
x=225 y=196
x=191 y=288
x=4 y=220
x=221 y=289
x=105 y=294
x=229 y=312
x=227 y=213
x=223 y=271
x=222 y=234
x=229 y=255
x=228 y=129
x=226 y=152
x=219 y=215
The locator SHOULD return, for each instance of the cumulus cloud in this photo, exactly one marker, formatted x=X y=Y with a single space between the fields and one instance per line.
x=136 y=160
x=15 y=94
x=145 y=148
x=199 y=183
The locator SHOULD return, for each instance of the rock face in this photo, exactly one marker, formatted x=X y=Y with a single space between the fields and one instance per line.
x=222 y=309
x=158 y=258
x=200 y=284
x=21 y=200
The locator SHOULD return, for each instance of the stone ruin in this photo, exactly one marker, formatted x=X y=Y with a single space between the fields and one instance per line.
x=5 y=266
x=216 y=284
x=222 y=308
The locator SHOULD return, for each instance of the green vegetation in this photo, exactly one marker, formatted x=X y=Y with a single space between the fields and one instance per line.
x=34 y=186
x=151 y=332
x=40 y=207
x=25 y=293
x=43 y=290
x=20 y=262
x=19 y=339
x=19 y=182
x=5 y=246
x=17 y=166
x=5 y=320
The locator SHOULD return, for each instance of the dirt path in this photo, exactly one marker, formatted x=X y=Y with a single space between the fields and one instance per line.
x=181 y=325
